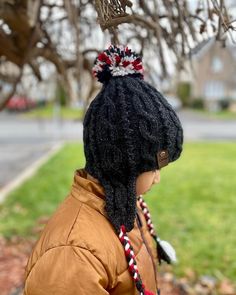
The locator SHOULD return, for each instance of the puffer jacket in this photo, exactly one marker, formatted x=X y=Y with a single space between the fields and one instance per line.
x=79 y=253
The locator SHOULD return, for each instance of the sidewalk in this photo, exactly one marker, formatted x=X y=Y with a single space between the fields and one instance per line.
x=26 y=173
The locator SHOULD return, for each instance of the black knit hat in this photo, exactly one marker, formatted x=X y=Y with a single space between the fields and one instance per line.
x=129 y=128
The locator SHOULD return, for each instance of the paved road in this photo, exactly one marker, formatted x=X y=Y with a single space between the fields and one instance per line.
x=22 y=141
x=199 y=127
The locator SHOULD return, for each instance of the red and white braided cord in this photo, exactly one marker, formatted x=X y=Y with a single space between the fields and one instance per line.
x=132 y=265
x=129 y=253
x=147 y=216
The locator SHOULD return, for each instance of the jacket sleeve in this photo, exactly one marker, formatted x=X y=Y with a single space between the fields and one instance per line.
x=67 y=270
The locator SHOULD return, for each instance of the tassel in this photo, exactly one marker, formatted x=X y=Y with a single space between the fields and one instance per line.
x=148 y=293
x=165 y=251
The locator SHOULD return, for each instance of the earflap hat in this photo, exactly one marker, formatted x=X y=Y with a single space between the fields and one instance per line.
x=129 y=128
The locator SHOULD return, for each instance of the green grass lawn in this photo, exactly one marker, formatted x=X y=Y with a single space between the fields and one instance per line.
x=48 y=111
x=40 y=195
x=193 y=206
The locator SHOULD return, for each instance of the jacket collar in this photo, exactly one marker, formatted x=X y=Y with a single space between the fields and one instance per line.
x=88 y=191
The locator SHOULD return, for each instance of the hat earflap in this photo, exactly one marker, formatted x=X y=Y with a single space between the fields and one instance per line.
x=120 y=202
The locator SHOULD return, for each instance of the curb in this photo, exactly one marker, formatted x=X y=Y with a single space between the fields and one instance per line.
x=28 y=172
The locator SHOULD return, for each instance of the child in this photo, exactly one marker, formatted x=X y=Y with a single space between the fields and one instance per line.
x=99 y=241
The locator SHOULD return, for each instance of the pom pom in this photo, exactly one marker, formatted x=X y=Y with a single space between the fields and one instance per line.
x=117 y=61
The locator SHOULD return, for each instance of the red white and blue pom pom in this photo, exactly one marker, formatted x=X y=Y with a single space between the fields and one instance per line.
x=117 y=61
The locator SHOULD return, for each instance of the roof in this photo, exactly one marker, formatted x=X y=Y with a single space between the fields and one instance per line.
x=203 y=47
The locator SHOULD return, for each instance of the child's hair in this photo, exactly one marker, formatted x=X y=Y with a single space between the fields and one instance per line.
x=129 y=128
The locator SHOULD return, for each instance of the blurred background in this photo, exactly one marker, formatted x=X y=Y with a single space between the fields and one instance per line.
x=47 y=50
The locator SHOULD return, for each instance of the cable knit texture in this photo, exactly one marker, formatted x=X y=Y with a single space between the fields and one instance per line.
x=125 y=126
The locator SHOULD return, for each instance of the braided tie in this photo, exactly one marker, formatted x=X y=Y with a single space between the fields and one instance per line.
x=164 y=249
x=132 y=264
x=147 y=216
x=129 y=253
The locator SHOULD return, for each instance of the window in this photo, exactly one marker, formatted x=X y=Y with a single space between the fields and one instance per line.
x=214 y=90
x=216 y=65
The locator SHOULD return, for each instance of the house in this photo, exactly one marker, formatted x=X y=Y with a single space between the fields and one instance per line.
x=211 y=73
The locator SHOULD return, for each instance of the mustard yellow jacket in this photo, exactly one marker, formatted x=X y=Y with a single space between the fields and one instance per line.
x=79 y=253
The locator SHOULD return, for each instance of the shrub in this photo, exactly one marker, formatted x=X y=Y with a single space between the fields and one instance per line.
x=224 y=103
x=197 y=103
x=184 y=92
